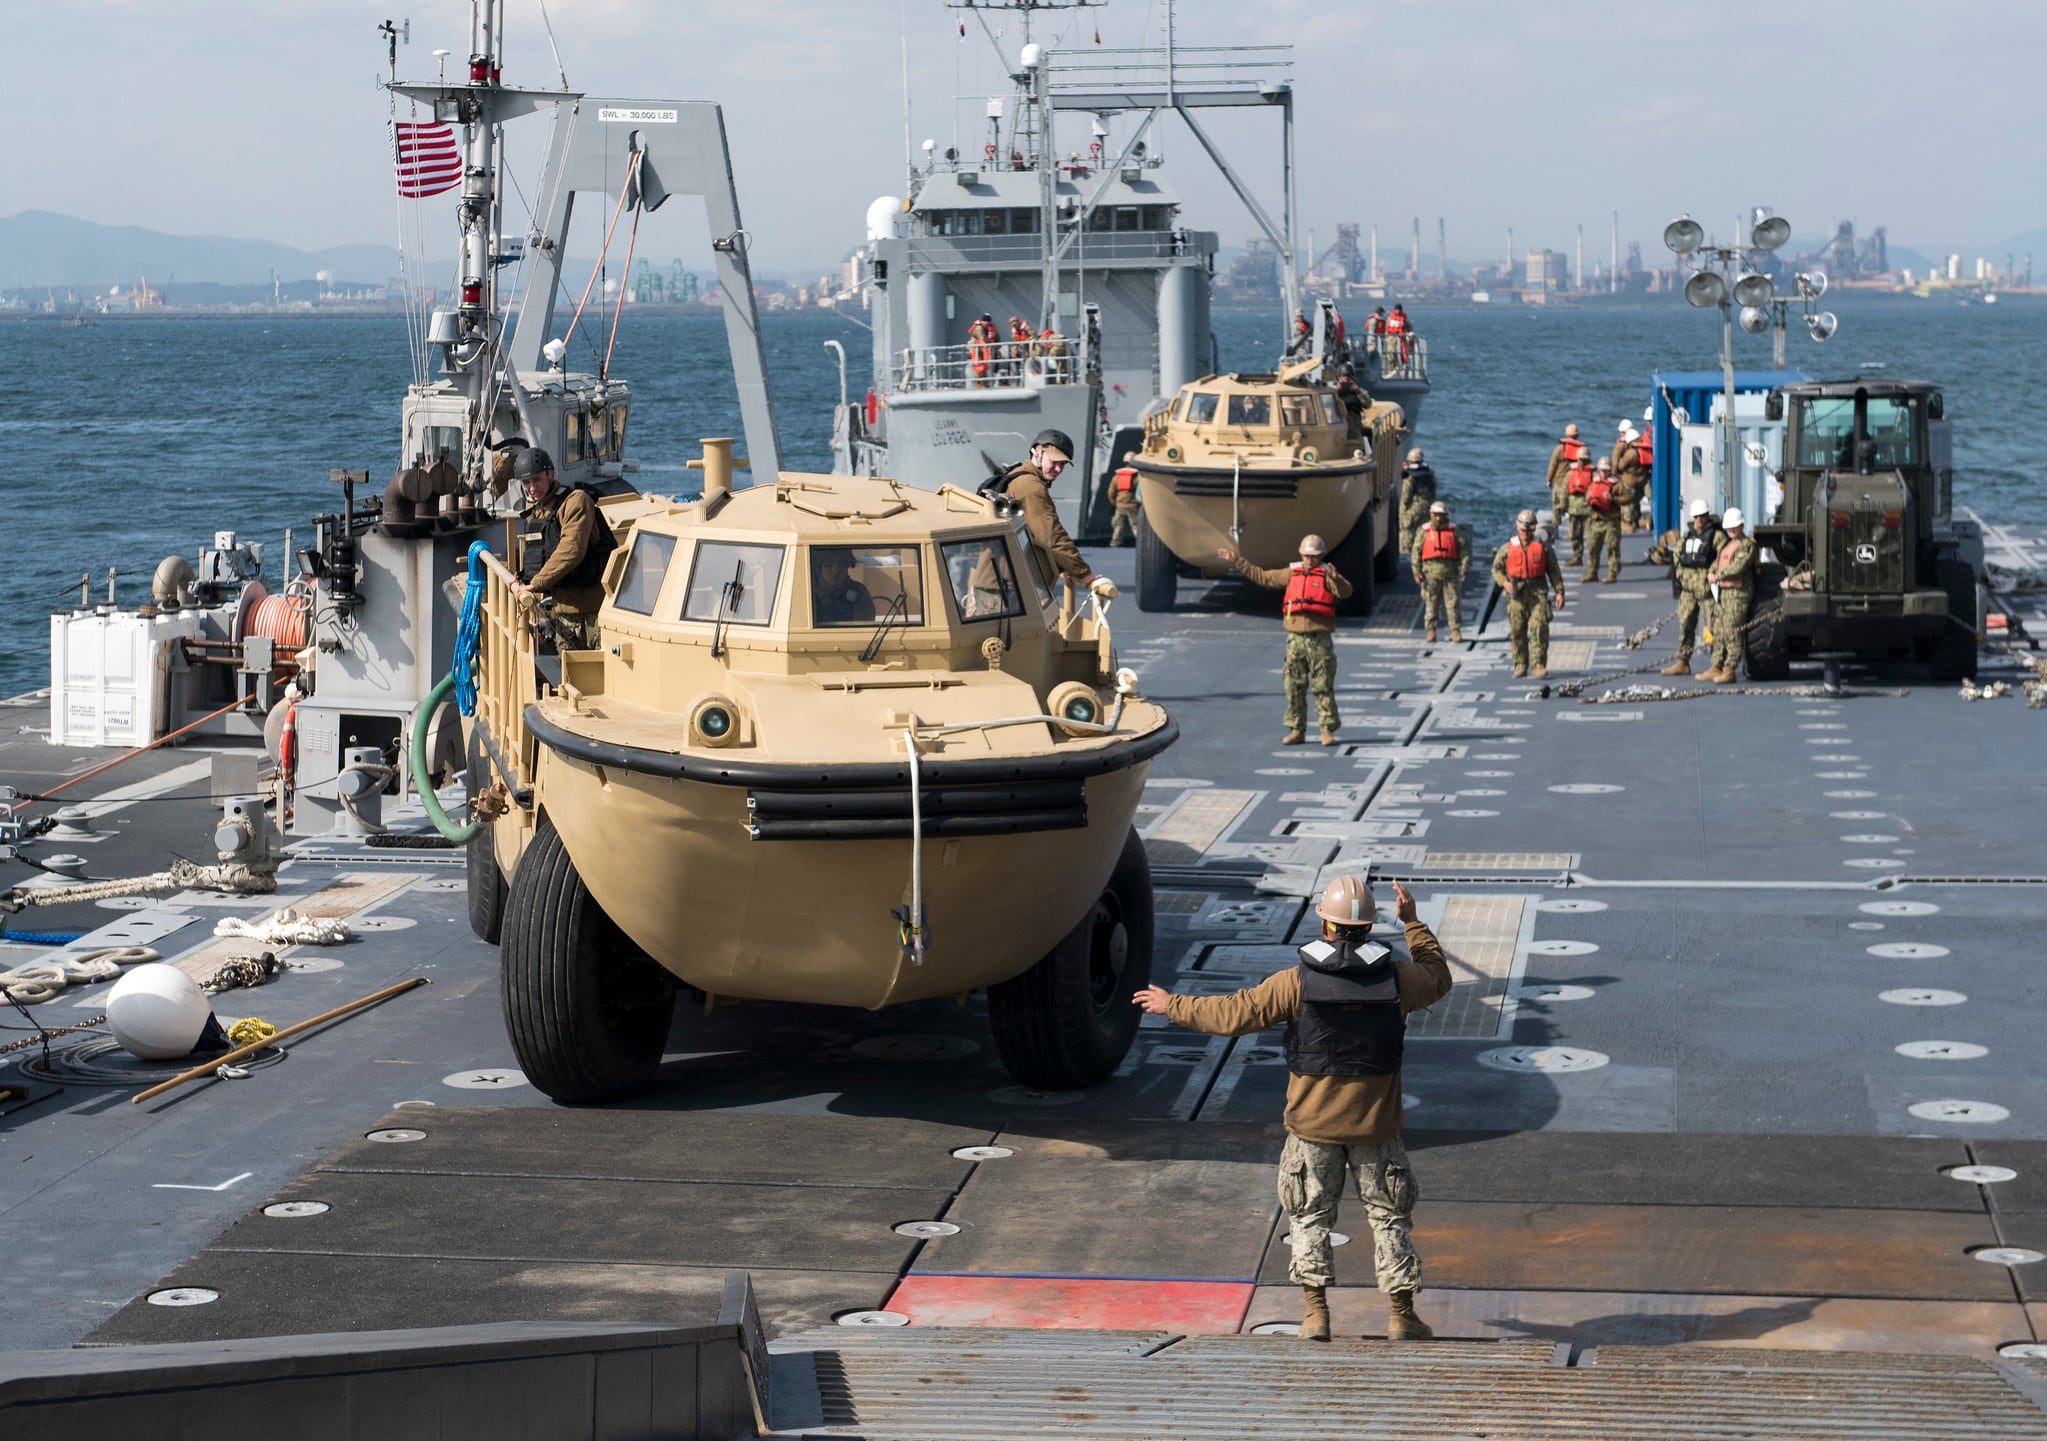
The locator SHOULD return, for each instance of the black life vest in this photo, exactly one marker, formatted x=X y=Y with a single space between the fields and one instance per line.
x=1697 y=552
x=589 y=570
x=1421 y=483
x=1350 y=1022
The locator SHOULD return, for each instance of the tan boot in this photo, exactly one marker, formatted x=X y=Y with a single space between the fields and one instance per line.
x=1401 y=1322
x=1520 y=670
x=1707 y=674
x=1538 y=670
x=1431 y=634
x=1293 y=737
x=1681 y=666
x=1727 y=675
x=1457 y=637
x=1588 y=579
x=1314 y=1314
x=1329 y=737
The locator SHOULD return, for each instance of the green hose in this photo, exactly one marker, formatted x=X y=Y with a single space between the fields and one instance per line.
x=421 y=719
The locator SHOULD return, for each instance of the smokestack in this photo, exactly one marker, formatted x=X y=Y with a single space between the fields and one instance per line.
x=1578 y=265
x=1510 y=252
x=1374 y=273
x=1613 y=267
x=1414 y=252
x=1442 y=252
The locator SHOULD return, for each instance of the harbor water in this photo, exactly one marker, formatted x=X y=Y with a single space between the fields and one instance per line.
x=141 y=436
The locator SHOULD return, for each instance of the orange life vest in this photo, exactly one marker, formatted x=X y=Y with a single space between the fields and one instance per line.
x=980 y=346
x=1019 y=332
x=1308 y=592
x=1599 y=494
x=1526 y=562
x=1396 y=323
x=1580 y=479
x=1646 y=451
x=1574 y=450
x=1126 y=481
x=1439 y=544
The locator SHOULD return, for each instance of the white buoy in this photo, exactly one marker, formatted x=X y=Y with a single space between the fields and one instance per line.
x=157 y=1012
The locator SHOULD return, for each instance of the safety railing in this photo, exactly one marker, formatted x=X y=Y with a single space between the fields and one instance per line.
x=945 y=252
x=507 y=679
x=996 y=365
x=1391 y=357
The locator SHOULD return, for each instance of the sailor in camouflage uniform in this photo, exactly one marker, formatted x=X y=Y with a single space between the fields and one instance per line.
x=1440 y=560
x=1526 y=571
x=1345 y=1006
x=1733 y=579
x=1691 y=558
x=1313 y=587
x=1417 y=496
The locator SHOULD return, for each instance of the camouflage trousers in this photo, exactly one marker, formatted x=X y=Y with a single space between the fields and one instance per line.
x=574 y=629
x=1604 y=534
x=1579 y=517
x=1123 y=526
x=1690 y=605
x=1310 y=662
x=1730 y=618
x=1311 y=1182
x=1439 y=595
x=1528 y=629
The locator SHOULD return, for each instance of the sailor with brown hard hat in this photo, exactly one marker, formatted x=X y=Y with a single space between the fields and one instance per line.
x=1308 y=613
x=1028 y=483
x=1345 y=1005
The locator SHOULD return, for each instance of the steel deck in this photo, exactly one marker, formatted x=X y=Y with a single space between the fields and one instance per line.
x=1725 y=965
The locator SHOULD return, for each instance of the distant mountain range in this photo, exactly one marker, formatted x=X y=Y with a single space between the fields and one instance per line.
x=38 y=247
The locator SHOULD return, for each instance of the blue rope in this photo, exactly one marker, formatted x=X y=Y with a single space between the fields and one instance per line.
x=41 y=938
x=469 y=634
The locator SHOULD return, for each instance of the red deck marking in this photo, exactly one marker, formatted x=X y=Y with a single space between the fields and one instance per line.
x=1072 y=1303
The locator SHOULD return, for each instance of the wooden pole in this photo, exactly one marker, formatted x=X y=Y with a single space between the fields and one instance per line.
x=254 y=1046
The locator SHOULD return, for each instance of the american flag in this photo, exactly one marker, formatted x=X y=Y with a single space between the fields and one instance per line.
x=429 y=160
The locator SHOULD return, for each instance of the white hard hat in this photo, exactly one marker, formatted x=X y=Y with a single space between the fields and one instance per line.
x=1438 y=508
x=1627 y=426
x=1347 y=900
x=1696 y=509
x=1414 y=456
x=157 y=1012
x=1734 y=519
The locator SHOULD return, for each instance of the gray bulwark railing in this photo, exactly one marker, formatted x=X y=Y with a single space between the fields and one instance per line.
x=1390 y=357
x=1005 y=365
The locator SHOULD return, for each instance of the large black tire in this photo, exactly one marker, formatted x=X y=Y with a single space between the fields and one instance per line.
x=1069 y=1020
x=1158 y=571
x=587 y=1011
x=1356 y=560
x=486 y=879
x=1768 y=651
x=1952 y=656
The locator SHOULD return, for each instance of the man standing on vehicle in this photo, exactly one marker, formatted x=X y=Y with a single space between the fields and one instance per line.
x=1696 y=552
x=1732 y=578
x=1345 y=1005
x=1028 y=483
x=1440 y=562
x=563 y=544
x=1526 y=569
x=1313 y=587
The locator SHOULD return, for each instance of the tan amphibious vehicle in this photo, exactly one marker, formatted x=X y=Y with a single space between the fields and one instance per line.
x=846 y=742
x=1254 y=462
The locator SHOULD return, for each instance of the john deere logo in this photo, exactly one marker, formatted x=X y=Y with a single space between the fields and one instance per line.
x=1865 y=555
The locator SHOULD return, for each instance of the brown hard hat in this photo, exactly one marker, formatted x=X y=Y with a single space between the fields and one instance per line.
x=1312 y=544
x=1347 y=901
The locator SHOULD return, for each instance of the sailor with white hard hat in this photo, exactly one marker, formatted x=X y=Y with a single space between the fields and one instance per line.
x=1345 y=1005
x=1732 y=577
x=1694 y=555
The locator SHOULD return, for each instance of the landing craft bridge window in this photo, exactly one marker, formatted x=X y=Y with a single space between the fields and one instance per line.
x=857 y=585
x=1250 y=410
x=1201 y=408
x=618 y=413
x=983 y=582
x=1826 y=435
x=733 y=582
x=1298 y=410
x=646 y=566
x=443 y=438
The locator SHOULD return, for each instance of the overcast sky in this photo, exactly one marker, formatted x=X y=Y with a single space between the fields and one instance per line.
x=259 y=117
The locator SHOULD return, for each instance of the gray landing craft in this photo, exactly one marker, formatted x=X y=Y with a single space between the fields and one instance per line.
x=1734 y=1113
x=1077 y=255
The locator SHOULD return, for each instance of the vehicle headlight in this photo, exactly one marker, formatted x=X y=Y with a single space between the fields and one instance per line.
x=714 y=721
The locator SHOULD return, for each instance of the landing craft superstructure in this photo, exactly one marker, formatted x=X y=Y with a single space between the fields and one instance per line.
x=1085 y=249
